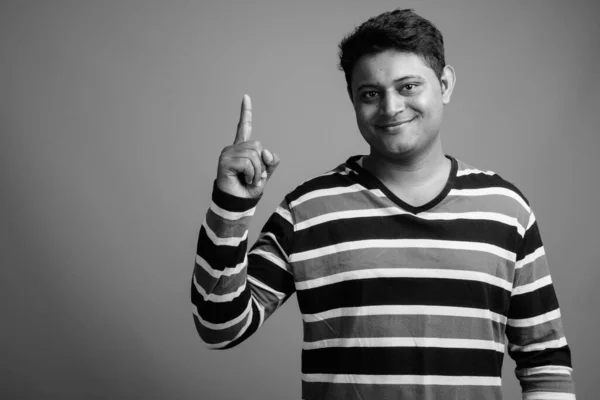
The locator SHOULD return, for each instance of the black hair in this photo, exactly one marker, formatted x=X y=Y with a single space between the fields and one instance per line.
x=402 y=30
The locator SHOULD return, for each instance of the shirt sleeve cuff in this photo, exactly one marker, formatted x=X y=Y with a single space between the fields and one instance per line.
x=230 y=202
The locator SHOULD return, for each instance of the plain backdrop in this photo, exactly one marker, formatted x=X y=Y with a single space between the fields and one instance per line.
x=112 y=118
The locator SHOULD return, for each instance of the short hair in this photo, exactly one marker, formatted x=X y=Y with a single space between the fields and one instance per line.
x=401 y=30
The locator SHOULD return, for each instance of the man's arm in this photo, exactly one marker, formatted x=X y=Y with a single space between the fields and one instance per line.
x=534 y=328
x=233 y=291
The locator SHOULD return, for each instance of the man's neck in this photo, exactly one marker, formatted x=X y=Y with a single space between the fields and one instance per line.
x=410 y=172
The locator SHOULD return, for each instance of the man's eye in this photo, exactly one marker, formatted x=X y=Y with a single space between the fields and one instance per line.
x=410 y=87
x=370 y=95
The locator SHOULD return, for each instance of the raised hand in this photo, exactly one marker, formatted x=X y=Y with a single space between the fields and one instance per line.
x=245 y=166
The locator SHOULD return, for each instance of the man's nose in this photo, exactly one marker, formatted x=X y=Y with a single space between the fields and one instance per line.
x=392 y=104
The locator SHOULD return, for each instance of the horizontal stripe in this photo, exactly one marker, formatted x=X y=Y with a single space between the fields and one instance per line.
x=546 y=369
x=381 y=391
x=219 y=241
x=231 y=215
x=230 y=202
x=285 y=214
x=240 y=333
x=402 y=361
x=272 y=258
x=390 y=211
x=405 y=342
x=530 y=258
x=223 y=325
x=333 y=192
x=531 y=221
x=530 y=287
x=402 y=243
x=405 y=379
x=491 y=192
x=436 y=326
x=551 y=344
x=540 y=319
x=257 y=283
x=404 y=291
x=470 y=171
x=405 y=310
x=404 y=273
x=533 y=304
x=221 y=313
x=218 y=298
x=224 y=272
x=548 y=396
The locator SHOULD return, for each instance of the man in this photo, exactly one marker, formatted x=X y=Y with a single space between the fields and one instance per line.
x=413 y=270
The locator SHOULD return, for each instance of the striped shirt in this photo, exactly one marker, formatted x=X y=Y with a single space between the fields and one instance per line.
x=397 y=302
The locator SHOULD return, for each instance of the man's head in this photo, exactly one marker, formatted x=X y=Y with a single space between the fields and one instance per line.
x=398 y=83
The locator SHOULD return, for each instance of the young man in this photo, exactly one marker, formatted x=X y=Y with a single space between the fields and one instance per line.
x=413 y=270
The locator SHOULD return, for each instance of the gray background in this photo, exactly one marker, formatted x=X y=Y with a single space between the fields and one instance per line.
x=112 y=117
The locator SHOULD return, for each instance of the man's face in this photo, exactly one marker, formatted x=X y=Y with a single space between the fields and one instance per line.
x=399 y=101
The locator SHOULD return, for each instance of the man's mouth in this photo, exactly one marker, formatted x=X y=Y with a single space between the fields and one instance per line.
x=394 y=125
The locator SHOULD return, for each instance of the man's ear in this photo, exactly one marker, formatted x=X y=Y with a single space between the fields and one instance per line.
x=447 y=81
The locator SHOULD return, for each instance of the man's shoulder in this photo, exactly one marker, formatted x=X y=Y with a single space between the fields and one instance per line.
x=339 y=178
x=476 y=181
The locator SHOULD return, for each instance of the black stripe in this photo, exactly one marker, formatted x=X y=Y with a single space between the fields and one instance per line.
x=231 y=203
x=220 y=257
x=482 y=181
x=532 y=304
x=402 y=361
x=406 y=226
x=281 y=229
x=530 y=242
x=532 y=359
x=270 y=274
x=404 y=291
x=218 y=313
x=251 y=329
x=319 y=183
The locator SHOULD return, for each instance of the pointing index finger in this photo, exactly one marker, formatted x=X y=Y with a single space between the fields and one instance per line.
x=244 y=128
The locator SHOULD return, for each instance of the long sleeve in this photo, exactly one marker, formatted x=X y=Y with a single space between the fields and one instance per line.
x=234 y=291
x=534 y=328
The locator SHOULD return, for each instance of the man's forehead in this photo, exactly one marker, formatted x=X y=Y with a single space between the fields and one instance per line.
x=390 y=65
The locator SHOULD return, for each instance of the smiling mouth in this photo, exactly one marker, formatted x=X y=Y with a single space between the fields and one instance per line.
x=395 y=125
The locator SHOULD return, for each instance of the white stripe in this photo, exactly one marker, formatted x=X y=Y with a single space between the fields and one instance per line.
x=551 y=344
x=263 y=286
x=405 y=379
x=548 y=396
x=332 y=192
x=240 y=333
x=405 y=342
x=530 y=287
x=404 y=273
x=545 y=369
x=470 y=171
x=402 y=243
x=218 y=241
x=285 y=214
x=490 y=191
x=540 y=319
x=231 y=215
x=531 y=221
x=530 y=257
x=274 y=240
x=219 y=298
x=384 y=212
x=345 y=171
x=223 y=325
x=271 y=257
x=225 y=272
x=261 y=311
x=405 y=310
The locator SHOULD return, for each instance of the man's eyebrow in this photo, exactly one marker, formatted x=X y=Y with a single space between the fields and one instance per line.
x=404 y=78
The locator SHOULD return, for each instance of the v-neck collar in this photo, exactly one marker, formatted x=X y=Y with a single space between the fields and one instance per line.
x=368 y=179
